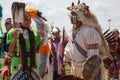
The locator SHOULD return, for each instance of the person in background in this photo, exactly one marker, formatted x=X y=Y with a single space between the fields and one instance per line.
x=57 y=47
x=116 y=34
x=8 y=26
x=1 y=33
x=117 y=51
x=114 y=67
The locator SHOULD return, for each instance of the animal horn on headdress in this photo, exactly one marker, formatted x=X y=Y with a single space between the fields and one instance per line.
x=72 y=4
x=78 y=1
x=87 y=7
x=84 y=4
x=71 y=7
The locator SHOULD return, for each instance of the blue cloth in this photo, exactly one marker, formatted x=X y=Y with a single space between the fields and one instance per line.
x=81 y=51
x=43 y=64
x=1 y=12
x=20 y=75
x=6 y=47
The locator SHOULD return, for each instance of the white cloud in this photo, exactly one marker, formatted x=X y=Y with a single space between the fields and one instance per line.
x=55 y=10
x=99 y=5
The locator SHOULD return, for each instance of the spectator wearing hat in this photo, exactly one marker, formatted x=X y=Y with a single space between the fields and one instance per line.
x=8 y=24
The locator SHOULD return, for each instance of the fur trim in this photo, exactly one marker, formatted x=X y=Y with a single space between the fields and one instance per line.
x=91 y=67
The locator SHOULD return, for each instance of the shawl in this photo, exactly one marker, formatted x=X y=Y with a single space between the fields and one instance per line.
x=24 y=53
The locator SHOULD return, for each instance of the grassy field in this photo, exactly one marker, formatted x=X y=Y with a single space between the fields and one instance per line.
x=67 y=70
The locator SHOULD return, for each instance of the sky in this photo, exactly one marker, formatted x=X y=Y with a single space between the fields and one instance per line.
x=56 y=11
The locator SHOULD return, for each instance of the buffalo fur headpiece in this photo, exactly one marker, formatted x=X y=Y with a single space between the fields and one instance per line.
x=84 y=15
x=87 y=18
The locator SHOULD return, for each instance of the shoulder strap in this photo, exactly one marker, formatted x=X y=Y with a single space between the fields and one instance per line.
x=81 y=51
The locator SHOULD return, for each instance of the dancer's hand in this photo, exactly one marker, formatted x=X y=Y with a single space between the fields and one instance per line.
x=16 y=31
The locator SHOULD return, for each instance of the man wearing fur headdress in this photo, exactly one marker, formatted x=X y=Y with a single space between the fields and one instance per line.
x=87 y=43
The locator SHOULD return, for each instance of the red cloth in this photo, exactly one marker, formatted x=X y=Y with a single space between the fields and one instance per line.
x=6 y=72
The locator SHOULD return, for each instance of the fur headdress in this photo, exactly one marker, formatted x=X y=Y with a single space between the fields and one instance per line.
x=87 y=18
x=84 y=15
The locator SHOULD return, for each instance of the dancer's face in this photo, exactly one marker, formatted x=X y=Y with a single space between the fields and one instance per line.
x=27 y=20
x=74 y=20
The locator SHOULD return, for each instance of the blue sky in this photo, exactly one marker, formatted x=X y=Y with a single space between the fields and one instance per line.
x=56 y=11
